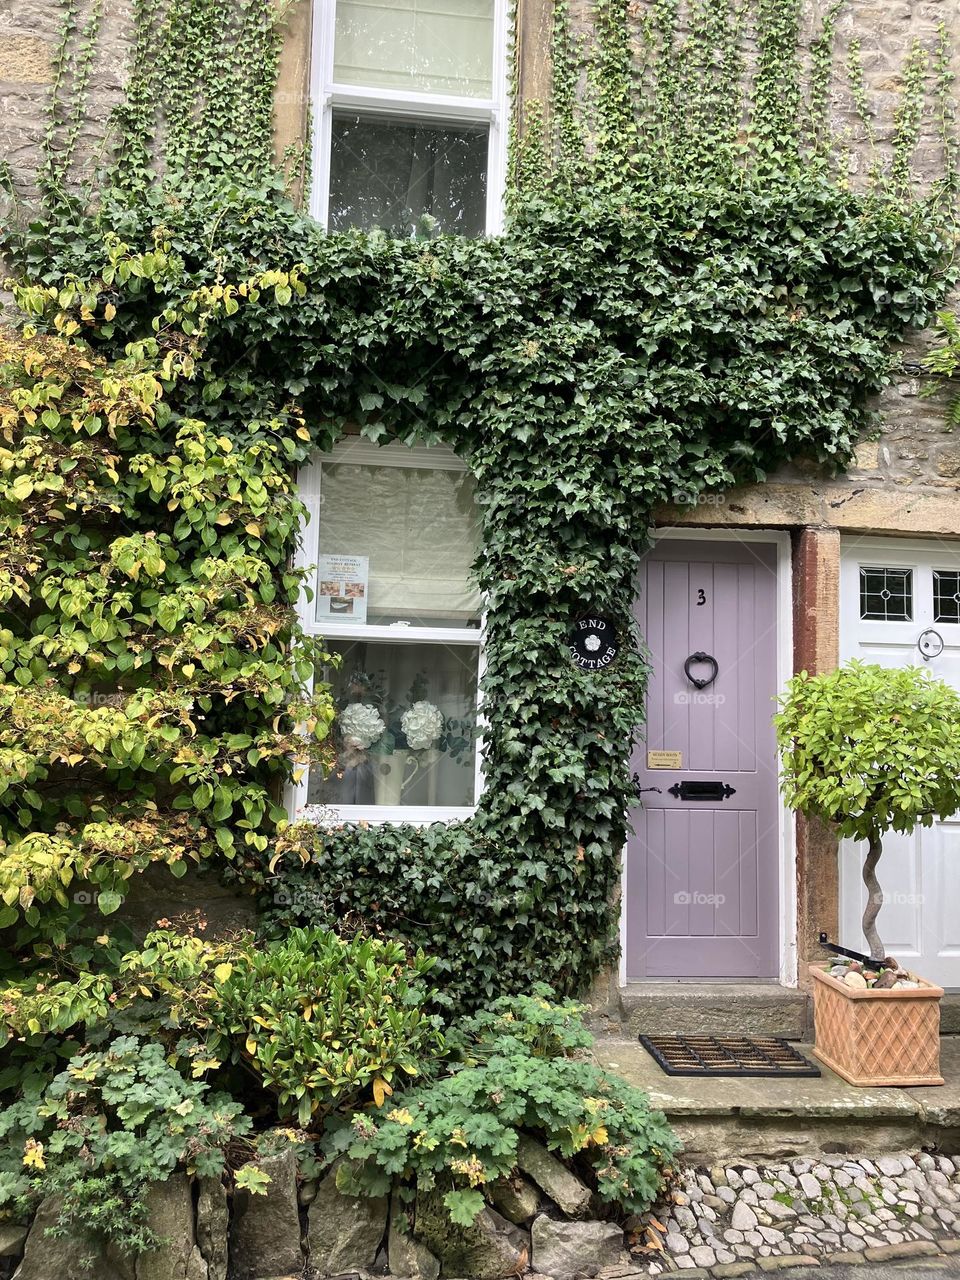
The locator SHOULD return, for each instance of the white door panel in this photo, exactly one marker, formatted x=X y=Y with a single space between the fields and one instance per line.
x=920 y=873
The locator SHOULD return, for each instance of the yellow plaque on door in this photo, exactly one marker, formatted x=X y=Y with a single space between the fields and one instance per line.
x=664 y=759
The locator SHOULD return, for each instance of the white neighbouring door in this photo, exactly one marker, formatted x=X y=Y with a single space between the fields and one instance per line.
x=891 y=592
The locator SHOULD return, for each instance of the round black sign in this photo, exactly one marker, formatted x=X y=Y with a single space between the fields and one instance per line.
x=593 y=644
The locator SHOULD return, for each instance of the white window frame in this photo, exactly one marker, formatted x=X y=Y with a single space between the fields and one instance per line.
x=327 y=94
x=309 y=481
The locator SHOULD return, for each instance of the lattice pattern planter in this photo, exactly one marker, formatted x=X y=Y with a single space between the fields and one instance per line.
x=875 y=1037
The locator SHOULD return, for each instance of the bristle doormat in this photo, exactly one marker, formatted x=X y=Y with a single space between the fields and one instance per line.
x=727 y=1056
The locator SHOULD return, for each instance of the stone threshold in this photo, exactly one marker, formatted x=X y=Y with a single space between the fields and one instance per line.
x=730 y=1008
x=775 y=1117
x=714 y=1008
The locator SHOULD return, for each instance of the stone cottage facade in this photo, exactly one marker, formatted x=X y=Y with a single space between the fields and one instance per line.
x=724 y=896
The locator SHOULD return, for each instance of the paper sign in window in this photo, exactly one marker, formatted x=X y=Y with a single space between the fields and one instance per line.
x=342 y=588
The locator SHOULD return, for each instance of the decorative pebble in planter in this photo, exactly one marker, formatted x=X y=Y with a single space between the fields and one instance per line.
x=874 y=1035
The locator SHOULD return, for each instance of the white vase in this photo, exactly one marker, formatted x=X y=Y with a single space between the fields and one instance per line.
x=391 y=774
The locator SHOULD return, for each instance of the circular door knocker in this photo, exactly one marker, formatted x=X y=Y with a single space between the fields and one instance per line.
x=701 y=659
x=930 y=644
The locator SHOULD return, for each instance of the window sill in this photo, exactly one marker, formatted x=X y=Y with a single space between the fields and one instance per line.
x=392 y=815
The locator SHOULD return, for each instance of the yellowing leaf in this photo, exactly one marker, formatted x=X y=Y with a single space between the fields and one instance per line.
x=381 y=1090
x=222 y=972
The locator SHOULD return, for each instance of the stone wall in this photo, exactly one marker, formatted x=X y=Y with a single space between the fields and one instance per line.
x=29 y=39
x=310 y=1227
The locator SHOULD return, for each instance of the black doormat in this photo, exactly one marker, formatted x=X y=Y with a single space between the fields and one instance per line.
x=727 y=1056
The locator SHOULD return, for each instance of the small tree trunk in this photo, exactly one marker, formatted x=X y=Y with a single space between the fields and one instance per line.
x=874 y=897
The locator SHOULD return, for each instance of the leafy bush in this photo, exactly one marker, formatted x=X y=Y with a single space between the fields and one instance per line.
x=103 y=1129
x=453 y=890
x=322 y=1020
x=871 y=750
x=515 y=1073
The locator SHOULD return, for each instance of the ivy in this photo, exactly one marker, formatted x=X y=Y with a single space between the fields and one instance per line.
x=683 y=301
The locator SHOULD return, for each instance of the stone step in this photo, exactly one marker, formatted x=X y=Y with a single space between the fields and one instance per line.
x=717 y=1008
x=759 y=1118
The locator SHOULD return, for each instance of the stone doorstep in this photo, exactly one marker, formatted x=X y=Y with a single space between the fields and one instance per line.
x=734 y=1008
x=723 y=1117
x=717 y=1008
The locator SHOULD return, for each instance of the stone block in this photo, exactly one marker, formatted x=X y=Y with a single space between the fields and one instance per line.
x=12 y=1238
x=25 y=60
x=491 y=1249
x=345 y=1232
x=407 y=1256
x=213 y=1223
x=170 y=1208
x=515 y=1198
x=66 y=1257
x=566 y=1249
x=553 y=1177
x=265 y=1232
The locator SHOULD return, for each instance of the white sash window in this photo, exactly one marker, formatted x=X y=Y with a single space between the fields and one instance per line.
x=390 y=543
x=410 y=121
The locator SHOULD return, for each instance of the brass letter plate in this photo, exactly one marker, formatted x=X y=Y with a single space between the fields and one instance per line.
x=664 y=759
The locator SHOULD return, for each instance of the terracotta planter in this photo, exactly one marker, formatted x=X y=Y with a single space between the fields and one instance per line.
x=875 y=1037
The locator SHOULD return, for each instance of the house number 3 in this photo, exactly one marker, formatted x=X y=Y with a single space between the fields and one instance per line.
x=701 y=597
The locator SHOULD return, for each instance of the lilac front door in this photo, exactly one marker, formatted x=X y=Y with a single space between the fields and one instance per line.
x=702 y=878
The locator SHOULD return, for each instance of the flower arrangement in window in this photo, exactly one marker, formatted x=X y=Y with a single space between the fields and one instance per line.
x=370 y=721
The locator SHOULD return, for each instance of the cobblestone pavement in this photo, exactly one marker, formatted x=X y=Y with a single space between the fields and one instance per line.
x=741 y=1218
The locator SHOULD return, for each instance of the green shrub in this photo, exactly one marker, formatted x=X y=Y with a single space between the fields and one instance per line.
x=871 y=750
x=325 y=1021
x=103 y=1129
x=515 y=1073
x=322 y=1021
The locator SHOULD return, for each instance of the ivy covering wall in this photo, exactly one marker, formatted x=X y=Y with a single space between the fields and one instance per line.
x=689 y=292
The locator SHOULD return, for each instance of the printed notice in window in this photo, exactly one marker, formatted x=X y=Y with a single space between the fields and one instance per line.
x=342 y=588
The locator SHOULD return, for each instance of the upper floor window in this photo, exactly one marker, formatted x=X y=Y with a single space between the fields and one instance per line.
x=410 y=131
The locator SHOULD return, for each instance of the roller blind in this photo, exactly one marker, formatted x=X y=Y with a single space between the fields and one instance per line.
x=418 y=528
x=427 y=46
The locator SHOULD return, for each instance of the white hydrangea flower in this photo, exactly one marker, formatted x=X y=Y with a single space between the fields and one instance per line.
x=361 y=725
x=422 y=725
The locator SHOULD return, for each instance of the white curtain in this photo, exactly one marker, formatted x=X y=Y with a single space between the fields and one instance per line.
x=419 y=529
x=424 y=46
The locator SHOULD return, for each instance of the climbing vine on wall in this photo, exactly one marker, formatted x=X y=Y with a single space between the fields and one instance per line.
x=681 y=301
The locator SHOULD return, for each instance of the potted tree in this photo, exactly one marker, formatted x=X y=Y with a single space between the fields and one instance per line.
x=873 y=750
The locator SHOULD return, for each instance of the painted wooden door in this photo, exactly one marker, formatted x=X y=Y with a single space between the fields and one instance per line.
x=891 y=593
x=702 y=875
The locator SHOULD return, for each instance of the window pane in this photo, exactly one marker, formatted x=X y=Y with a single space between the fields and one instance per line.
x=405 y=725
x=427 y=46
x=398 y=174
x=415 y=527
x=886 y=595
x=946 y=595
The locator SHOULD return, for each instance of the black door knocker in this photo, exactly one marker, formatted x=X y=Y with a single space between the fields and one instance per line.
x=696 y=659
